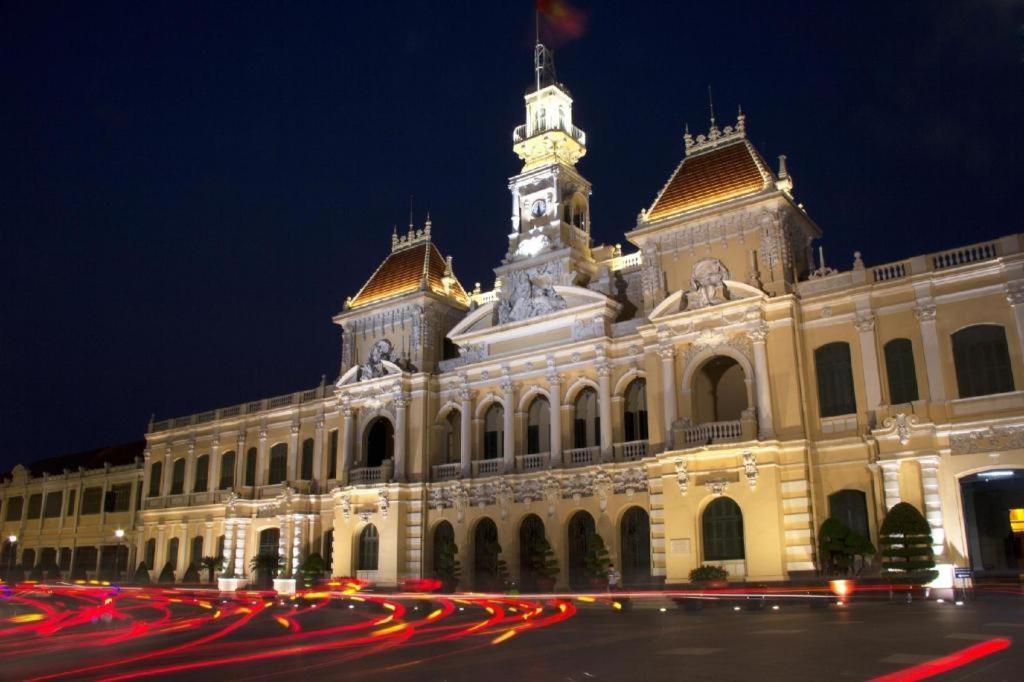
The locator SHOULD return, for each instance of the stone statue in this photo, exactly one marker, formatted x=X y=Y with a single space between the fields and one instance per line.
x=707 y=284
x=374 y=366
x=524 y=297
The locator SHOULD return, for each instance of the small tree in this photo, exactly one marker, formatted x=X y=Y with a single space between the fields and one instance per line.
x=839 y=548
x=906 y=541
x=542 y=560
x=266 y=567
x=141 y=574
x=493 y=566
x=191 y=574
x=166 y=574
x=447 y=568
x=211 y=564
x=313 y=568
x=596 y=561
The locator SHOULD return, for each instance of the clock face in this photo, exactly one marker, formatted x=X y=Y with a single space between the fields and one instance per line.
x=539 y=208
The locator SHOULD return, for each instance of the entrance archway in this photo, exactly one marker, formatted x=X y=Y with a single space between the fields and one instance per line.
x=635 y=537
x=444 y=537
x=380 y=442
x=486 y=551
x=581 y=536
x=994 y=548
x=719 y=391
x=531 y=532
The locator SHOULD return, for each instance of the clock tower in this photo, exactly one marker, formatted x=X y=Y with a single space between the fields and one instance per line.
x=550 y=199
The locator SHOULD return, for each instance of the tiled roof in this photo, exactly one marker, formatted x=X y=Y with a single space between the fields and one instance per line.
x=708 y=177
x=115 y=455
x=402 y=272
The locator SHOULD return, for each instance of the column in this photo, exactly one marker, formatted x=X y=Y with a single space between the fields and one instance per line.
x=241 y=526
x=160 y=556
x=346 y=446
x=190 y=467
x=213 y=472
x=1015 y=297
x=668 y=387
x=165 y=475
x=261 y=458
x=925 y=314
x=465 y=438
x=508 y=442
x=865 y=324
x=296 y=551
x=891 y=483
x=228 y=557
x=932 y=501
x=319 y=472
x=555 y=389
x=284 y=526
x=762 y=384
x=401 y=404
x=293 y=452
x=240 y=453
x=604 y=409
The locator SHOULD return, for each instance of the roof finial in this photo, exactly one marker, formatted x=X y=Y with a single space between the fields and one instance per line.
x=687 y=137
x=713 y=133
x=426 y=227
x=741 y=120
x=394 y=237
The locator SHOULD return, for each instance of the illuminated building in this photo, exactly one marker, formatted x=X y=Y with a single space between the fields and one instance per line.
x=709 y=397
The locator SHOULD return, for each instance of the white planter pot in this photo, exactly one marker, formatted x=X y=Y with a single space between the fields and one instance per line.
x=231 y=584
x=284 y=585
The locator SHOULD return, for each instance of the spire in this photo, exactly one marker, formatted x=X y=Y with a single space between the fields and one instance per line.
x=713 y=132
x=425 y=274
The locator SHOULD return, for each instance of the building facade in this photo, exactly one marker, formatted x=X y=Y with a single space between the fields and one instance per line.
x=709 y=397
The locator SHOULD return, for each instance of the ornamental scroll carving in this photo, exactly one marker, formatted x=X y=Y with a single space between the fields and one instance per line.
x=991 y=439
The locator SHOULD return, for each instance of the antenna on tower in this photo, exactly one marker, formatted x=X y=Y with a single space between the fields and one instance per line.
x=410 y=213
x=711 y=106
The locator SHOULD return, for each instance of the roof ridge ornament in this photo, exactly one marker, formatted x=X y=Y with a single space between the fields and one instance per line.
x=412 y=238
x=715 y=137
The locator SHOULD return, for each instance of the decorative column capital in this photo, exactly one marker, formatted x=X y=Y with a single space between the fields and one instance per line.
x=758 y=334
x=319 y=423
x=465 y=395
x=865 y=322
x=925 y=312
x=240 y=439
x=928 y=461
x=295 y=428
x=604 y=370
x=667 y=352
x=1014 y=292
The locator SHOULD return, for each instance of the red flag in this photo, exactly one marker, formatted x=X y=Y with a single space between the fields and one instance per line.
x=563 y=22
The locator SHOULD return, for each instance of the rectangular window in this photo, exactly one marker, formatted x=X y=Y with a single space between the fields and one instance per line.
x=51 y=510
x=333 y=450
x=899 y=366
x=491 y=445
x=532 y=439
x=250 y=467
x=14 y=505
x=35 y=505
x=71 y=503
x=92 y=498
x=118 y=498
x=580 y=433
x=835 y=380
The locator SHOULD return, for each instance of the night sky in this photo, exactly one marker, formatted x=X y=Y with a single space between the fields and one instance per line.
x=189 y=191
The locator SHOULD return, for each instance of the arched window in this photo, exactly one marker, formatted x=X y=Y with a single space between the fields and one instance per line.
x=722 y=531
x=835 y=379
x=307 y=460
x=270 y=542
x=278 y=469
x=451 y=436
x=635 y=536
x=172 y=553
x=635 y=411
x=581 y=538
x=538 y=426
x=150 y=557
x=542 y=119
x=369 y=542
x=197 y=551
x=444 y=538
x=178 y=477
x=380 y=442
x=227 y=470
x=250 y=467
x=202 y=474
x=64 y=562
x=899 y=368
x=494 y=432
x=982 y=361
x=48 y=557
x=850 y=507
x=586 y=422
x=562 y=123
x=28 y=558
x=155 y=471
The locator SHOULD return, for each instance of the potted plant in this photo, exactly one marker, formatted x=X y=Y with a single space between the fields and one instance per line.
x=596 y=562
x=265 y=567
x=543 y=564
x=905 y=539
x=447 y=567
x=211 y=564
x=709 y=577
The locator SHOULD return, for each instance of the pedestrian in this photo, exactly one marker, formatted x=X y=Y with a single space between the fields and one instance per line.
x=613 y=577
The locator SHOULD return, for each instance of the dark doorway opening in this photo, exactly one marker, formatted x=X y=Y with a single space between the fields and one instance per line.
x=995 y=550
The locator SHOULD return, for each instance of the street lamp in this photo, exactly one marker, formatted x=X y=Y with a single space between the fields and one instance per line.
x=10 y=569
x=119 y=534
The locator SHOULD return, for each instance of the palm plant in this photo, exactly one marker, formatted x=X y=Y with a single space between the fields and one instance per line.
x=211 y=564
x=266 y=566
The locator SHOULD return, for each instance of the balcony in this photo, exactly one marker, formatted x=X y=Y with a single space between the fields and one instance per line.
x=712 y=432
x=631 y=451
x=365 y=476
x=447 y=472
x=534 y=462
x=487 y=467
x=581 y=457
x=524 y=133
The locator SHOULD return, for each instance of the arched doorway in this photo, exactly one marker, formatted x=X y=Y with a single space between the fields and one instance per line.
x=994 y=520
x=451 y=437
x=634 y=416
x=586 y=421
x=380 y=442
x=369 y=549
x=722 y=535
x=268 y=558
x=486 y=551
x=582 y=530
x=444 y=540
x=494 y=432
x=531 y=533
x=719 y=391
x=538 y=426
x=635 y=537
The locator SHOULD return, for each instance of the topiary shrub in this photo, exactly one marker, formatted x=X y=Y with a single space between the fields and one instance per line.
x=543 y=563
x=448 y=569
x=492 y=568
x=141 y=576
x=191 y=574
x=906 y=543
x=842 y=550
x=596 y=560
x=166 y=574
x=707 y=574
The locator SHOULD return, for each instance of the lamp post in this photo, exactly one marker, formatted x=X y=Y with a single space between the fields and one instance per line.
x=119 y=534
x=12 y=539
